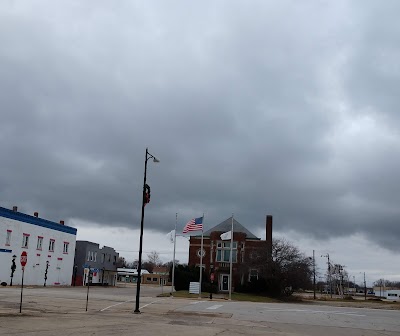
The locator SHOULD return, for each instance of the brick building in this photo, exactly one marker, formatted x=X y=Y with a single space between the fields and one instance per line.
x=216 y=252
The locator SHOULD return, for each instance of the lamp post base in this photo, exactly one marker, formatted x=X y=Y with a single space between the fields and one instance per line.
x=136 y=311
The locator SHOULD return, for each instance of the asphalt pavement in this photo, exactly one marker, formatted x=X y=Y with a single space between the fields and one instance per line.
x=50 y=311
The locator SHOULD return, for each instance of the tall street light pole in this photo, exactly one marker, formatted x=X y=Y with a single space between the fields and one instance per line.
x=144 y=201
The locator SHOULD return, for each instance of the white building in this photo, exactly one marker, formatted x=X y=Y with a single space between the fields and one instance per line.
x=129 y=274
x=389 y=293
x=49 y=245
x=393 y=294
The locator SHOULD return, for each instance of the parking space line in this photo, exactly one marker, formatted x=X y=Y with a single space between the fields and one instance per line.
x=215 y=307
x=120 y=303
x=117 y=304
x=151 y=303
x=313 y=311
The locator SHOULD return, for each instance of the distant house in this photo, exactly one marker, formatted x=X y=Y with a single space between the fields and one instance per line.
x=99 y=263
x=393 y=294
x=216 y=253
x=389 y=293
x=160 y=276
x=130 y=274
x=161 y=270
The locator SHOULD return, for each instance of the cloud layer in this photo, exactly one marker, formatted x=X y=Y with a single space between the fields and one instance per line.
x=287 y=109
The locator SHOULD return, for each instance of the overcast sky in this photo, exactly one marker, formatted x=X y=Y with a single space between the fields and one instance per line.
x=286 y=108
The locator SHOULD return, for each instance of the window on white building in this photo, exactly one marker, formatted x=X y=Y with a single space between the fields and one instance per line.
x=224 y=251
x=65 y=248
x=25 y=240
x=8 y=237
x=88 y=256
x=51 y=245
x=95 y=256
x=39 y=243
x=103 y=257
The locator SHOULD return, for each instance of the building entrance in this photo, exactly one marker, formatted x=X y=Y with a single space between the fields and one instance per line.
x=224 y=283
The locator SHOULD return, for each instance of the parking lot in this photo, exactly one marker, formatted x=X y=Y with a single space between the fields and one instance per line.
x=49 y=311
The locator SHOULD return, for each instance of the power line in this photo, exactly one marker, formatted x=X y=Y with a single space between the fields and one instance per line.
x=162 y=252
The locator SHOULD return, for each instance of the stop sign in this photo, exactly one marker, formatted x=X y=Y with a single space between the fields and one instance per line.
x=24 y=258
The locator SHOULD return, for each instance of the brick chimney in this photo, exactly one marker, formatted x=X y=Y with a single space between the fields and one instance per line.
x=15 y=208
x=61 y=222
x=268 y=238
x=36 y=214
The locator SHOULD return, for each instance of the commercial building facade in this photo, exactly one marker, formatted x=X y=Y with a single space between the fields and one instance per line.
x=130 y=274
x=49 y=246
x=216 y=253
x=101 y=262
x=159 y=276
x=389 y=293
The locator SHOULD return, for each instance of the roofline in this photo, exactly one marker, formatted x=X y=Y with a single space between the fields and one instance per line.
x=222 y=227
x=209 y=237
x=21 y=217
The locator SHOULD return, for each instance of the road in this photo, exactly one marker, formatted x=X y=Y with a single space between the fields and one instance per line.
x=47 y=311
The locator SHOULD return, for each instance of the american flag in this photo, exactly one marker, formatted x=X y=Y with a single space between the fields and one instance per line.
x=195 y=224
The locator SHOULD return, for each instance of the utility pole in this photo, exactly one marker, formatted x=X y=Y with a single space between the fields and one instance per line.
x=341 y=281
x=365 y=288
x=329 y=273
x=313 y=257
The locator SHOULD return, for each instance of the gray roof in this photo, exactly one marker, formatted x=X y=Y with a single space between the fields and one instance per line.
x=226 y=225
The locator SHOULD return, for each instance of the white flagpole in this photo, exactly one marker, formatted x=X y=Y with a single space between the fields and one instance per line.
x=201 y=258
x=230 y=266
x=173 y=260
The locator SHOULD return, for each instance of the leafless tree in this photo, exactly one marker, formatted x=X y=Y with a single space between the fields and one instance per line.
x=121 y=262
x=382 y=283
x=288 y=270
x=154 y=258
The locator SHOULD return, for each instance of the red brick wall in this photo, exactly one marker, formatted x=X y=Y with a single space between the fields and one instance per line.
x=209 y=260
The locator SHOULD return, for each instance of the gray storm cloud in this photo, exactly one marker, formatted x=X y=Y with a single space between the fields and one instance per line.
x=280 y=108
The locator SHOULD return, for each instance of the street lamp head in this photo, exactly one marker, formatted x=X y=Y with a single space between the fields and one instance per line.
x=155 y=160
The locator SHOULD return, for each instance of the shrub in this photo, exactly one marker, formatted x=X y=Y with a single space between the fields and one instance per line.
x=209 y=287
x=184 y=275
